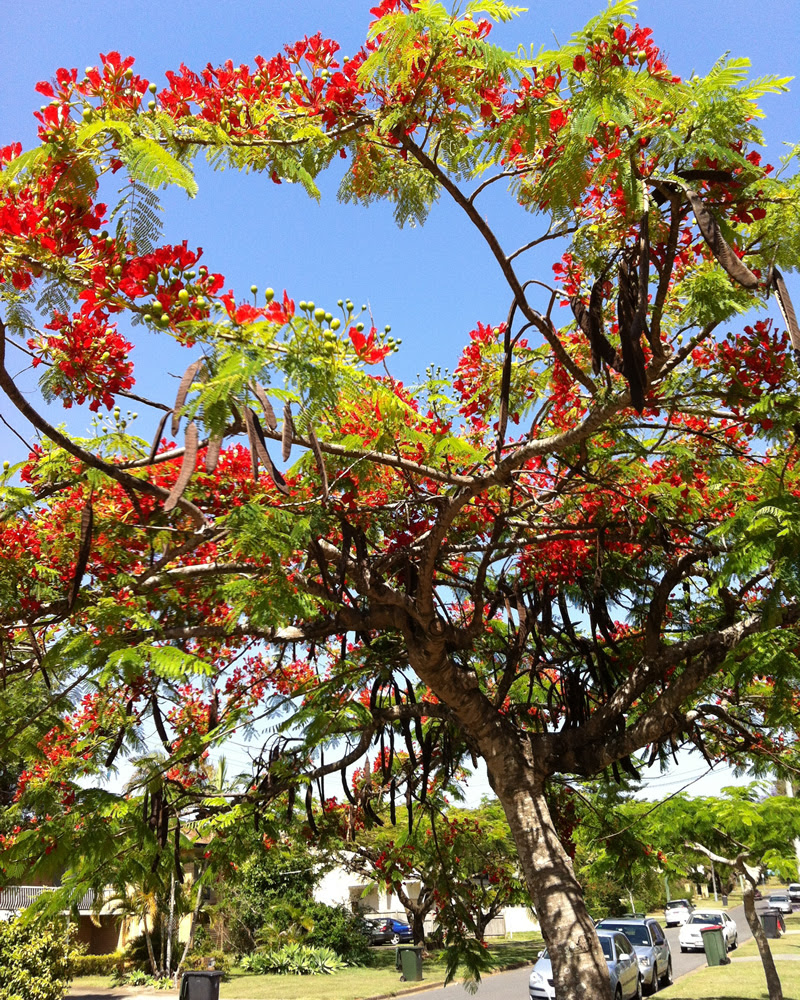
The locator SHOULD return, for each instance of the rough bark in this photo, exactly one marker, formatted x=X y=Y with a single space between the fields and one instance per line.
x=579 y=967
x=149 y=941
x=764 y=950
x=751 y=875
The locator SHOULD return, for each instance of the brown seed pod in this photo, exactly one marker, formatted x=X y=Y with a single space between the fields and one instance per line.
x=712 y=234
x=269 y=414
x=183 y=388
x=288 y=432
x=187 y=468
x=323 y=472
x=84 y=547
x=159 y=433
x=258 y=448
x=212 y=452
x=787 y=308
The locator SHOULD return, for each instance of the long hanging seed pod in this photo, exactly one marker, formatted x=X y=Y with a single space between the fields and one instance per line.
x=183 y=388
x=631 y=328
x=212 y=452
x=320 y=460
x=269 y=414
x=249 y=422
x=712 y=234
x=187 y=468
x=159 y=434
x=787 y=308
x=177 y=848
x=87 y=522
x=256 y=436
x=288 y=432
x=310 y=811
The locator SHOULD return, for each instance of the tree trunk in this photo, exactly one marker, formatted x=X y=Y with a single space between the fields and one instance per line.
x=149 y=941
x=579 y=967
x=764 y=950
x=193 y=926
x=170 y=926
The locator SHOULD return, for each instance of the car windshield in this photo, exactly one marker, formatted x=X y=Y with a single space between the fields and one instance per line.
x=778 y=897
x=635 y=933
x=676 y=904
x=608 y=951
x=706 y=918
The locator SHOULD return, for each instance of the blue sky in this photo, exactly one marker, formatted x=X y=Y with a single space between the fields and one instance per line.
x=431 y=284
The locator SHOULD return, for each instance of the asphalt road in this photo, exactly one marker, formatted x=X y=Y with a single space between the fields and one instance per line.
x=514 y=985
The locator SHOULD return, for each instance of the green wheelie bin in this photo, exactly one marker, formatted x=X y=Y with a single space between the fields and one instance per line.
x=408 y=961
x=714 y=945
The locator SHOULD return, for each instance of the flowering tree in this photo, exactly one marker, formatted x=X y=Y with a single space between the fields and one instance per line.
x=580 y=548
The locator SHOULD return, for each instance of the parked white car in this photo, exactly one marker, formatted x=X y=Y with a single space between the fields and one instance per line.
x=677 y=912
x=691 y=937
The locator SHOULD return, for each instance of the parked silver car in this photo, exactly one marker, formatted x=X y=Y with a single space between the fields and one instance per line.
x=650 y=945
x=780 y=901
x=626 y=983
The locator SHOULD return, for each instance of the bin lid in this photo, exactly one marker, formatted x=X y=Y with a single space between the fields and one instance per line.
x=203 y=974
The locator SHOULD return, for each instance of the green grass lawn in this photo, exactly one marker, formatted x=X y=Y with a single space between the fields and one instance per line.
x=350 y=984
x=738 y=981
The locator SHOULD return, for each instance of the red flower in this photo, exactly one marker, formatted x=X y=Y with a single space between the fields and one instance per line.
x=579 y=64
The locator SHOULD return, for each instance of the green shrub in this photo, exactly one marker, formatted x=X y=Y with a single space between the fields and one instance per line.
x=294 y=960
x=97 y=965
x=201 y=959
x=34 y=962
x=341 y=930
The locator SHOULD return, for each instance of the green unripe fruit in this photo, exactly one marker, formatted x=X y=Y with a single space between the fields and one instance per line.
x=152 y=87
x=319 y=315
x=335 y=324
x=286 y=86
x=183 y=296
x=641 y=56
x=6 y=466
x=339 y=303
x=269 y=294
x=200 y=302
x=359 y=327
x=148 y=317
x=164 y=320
x=387 y=328
x=105 y=356
x=328 y=317
x=151 y=105
x=157 y=307
x=128 y=74
x=117 y=270
x=191 y=275
x=309 y=306
x=254 y=289
x=86 y=114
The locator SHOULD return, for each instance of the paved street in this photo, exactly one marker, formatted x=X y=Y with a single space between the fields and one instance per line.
x=514 y=985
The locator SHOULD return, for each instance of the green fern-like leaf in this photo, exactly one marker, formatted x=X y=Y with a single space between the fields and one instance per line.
x=151 y=164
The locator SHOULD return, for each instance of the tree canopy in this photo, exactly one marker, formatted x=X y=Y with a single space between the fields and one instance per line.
x=576 y=551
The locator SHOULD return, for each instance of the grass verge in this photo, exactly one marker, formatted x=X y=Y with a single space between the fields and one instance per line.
x=349 y=984
x=738 y=981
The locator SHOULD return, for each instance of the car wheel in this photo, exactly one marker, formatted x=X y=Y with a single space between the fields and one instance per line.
x=653 y=987
x=638 y=994
x=667 y=978
x=735 y=942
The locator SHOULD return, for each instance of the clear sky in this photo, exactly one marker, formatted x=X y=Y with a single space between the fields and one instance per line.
x=431 y=284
